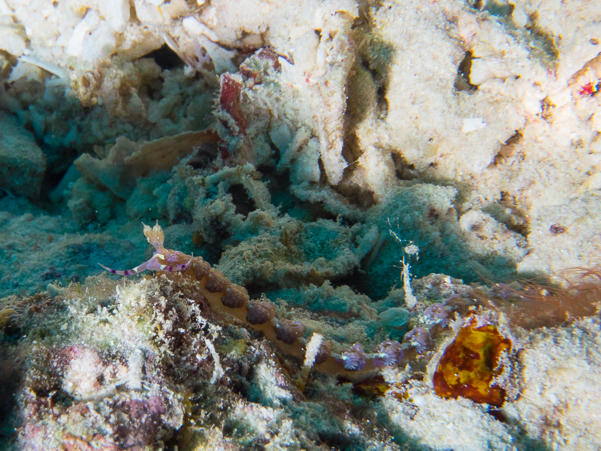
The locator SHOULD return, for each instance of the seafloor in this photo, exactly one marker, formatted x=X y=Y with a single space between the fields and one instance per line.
x=381 y=225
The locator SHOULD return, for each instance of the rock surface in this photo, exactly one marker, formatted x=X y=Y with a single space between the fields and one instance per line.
x=22 y=162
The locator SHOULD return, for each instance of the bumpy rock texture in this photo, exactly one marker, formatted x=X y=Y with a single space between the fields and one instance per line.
x=22 y=162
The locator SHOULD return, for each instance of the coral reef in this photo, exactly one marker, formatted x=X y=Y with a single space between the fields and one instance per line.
x=120 y=363
x=384 y=219
x=154 y=366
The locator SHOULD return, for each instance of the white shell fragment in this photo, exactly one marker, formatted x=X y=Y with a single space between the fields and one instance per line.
x=472 y=124
x=195 y=28
x=83 y=29
x=12 y=39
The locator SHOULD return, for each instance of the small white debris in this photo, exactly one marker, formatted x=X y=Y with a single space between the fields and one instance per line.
x=412 y=249
x=196 y=28
x=472 y=124
x=217 y=370
x=5 y=10
x=593 y=183
x=116 y=13
x=135 y=363
x=312 y=349
x=81 y=30
x=410 y=299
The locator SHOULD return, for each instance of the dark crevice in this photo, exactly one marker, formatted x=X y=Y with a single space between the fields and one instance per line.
x=403 y=169
x=353 y=280
x=241 y=200
x=382 y=101
x=507 y=211
x=358 y=195
x=541 y=43
x=375 y=57
x=495 y=8
x=255 y=290
x=205 y=155
x=339 y=441
x=463 y=81
x=165 y=57
x=50 y=181
x=367 y=88
x=380 y=74
x=323 y=176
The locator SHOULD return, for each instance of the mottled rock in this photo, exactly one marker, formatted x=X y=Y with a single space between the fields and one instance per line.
x=22 y=162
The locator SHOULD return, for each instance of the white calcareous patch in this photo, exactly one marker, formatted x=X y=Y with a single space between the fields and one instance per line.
x=472 y=124
x=115 y=12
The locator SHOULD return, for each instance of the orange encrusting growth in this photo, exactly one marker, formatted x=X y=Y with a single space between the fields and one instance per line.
x=470 y=364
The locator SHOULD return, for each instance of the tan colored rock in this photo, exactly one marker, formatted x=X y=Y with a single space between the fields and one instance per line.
x=128 y=160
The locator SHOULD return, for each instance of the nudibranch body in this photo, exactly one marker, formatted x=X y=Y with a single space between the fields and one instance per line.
x=261 y=315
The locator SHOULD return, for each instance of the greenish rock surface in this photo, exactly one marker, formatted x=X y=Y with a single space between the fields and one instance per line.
x=22 y=162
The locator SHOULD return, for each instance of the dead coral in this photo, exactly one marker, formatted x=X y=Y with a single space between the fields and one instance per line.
x=146 y=365
x=128 y=160
x=266 y=261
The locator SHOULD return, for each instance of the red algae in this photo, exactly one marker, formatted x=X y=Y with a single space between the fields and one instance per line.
x=537 y=305
x=470 y=364
x=229 y=100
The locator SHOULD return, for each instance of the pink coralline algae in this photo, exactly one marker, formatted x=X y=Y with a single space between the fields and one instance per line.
x=143 y=420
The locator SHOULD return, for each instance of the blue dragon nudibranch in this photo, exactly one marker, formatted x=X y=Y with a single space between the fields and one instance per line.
x=162 y=259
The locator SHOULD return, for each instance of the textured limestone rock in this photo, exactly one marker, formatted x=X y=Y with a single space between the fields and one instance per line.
x=560 y=394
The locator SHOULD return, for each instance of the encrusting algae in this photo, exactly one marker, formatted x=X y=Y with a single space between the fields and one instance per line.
x=470 y=363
